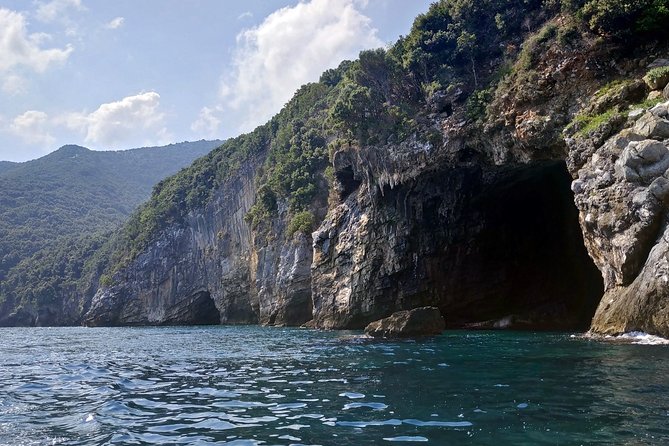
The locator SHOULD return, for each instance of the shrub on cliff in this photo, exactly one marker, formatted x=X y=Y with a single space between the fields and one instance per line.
x=623 y=17
x=381 y=95
x=619 y=18
x=301 y=222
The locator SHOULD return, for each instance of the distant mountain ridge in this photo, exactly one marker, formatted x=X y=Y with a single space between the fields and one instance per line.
x=7 y=165
x=74 y=192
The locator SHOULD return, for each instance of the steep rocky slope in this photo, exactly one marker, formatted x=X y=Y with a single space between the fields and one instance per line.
x=228 y=260
x=436 y=173
x=622 y=192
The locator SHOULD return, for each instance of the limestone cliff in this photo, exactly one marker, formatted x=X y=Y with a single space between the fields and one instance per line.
x=622 y=192
x=209 y=269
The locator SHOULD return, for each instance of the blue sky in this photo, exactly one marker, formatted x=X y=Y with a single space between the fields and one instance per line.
x=129 y=73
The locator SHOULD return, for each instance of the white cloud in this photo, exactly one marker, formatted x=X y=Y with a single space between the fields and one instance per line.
x=132 y=120
x=18 y=48
x=115 y=23
x=245 y=15
x=13 y=84
x=207 y=123
x=292 y=46
x=33 y=127
x=56 y=9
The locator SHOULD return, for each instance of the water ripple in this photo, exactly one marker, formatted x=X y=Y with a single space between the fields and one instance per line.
x=259 y=386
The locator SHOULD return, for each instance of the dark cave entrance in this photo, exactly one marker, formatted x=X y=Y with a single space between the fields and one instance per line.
x=204 y=310
x=198 y=309
x=521 y=261
x=349 y=183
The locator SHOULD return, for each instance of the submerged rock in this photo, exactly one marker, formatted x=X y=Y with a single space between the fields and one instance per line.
x=423 y=321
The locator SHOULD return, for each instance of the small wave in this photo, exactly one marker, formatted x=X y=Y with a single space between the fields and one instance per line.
x=639 y=337
x=438 y=423
x=375 y=406
x=352 y=395
x=289 y=406
x=407 y=438
x=361 y=424
x=396 y=422
x=295 y=427
x=632 y=337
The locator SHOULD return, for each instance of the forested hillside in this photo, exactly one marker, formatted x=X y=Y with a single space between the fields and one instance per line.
x=54 y=207
x=398 y=143
x=6 y=165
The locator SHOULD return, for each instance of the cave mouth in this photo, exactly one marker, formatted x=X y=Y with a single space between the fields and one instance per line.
x=348 y=182
x=526 y=265
x=204 y=310
x=198 y=309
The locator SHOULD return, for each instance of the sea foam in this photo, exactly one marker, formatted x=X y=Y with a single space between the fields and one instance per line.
x=639 y=337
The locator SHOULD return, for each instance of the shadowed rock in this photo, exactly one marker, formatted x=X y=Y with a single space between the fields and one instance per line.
x=423 y=321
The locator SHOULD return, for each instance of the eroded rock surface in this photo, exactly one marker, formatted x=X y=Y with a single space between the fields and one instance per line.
x=622 y=193
x=478 y=242
x=211 y=269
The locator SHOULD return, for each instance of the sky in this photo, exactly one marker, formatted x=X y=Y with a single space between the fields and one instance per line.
x=111 y=75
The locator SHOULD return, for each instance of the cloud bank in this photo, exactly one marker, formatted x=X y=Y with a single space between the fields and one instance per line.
x=33 y=128
x=207 y=123
x=291 y=47
x=133 y=121
x=55 y=9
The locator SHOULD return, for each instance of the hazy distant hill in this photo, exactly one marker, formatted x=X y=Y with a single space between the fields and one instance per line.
x=76 y=191
x=7 y=165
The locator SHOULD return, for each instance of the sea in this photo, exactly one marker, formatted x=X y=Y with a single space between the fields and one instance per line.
x=247 y=386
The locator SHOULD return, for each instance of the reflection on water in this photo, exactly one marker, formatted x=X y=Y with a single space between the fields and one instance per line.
x=269 y=386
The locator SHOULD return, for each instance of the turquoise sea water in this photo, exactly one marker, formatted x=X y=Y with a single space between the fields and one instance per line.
x=272 y=386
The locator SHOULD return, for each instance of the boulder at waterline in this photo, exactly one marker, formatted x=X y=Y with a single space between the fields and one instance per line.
x=423 y=321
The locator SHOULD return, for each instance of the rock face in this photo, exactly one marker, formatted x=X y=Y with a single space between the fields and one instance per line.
x=211 y=269
x=477 y=243
x=622 y=193
x=423 y=321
